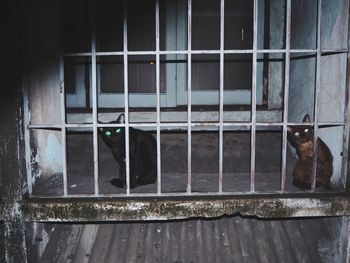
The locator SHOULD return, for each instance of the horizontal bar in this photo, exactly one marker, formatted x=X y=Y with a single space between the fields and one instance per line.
x=227 y=51
x=335 y=50
x=193 y=194
x=112 y=209
x=184 y=125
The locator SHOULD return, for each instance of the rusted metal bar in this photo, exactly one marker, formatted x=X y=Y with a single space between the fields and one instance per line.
x=286 y=97
x=112 y=209
x=317 y=93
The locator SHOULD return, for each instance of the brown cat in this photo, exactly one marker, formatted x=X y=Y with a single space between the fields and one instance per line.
x=302 y=139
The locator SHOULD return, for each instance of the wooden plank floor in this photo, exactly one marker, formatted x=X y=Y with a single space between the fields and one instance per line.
x=228 y=239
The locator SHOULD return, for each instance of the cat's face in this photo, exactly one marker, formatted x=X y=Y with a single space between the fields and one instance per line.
x=113 y=134
x=301 y=134
x=109 y=132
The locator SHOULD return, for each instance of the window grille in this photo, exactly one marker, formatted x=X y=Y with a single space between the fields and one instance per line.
x=191 y=123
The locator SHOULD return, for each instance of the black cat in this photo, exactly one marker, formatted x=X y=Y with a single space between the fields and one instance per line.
x=142 y=152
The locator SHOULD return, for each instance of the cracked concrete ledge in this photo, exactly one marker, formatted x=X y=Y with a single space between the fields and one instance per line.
x=117 y=209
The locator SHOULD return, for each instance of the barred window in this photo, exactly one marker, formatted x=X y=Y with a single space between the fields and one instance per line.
x=222 y=86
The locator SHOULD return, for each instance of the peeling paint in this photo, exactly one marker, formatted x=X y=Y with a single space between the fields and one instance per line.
x=36 y=173
x=15 y=210
x=52 y=152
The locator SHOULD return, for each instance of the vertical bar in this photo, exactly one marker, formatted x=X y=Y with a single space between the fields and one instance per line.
x=221 y=94
x=126 y=97
x=94 y=100
x=63 y=128
x=189 y=96
x=159 y=182
x=27 y=140
x=286 y=96
x=344 y=172
x=253 y=120
x=318 y=86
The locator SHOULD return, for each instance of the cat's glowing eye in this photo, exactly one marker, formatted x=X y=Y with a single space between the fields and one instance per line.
x=108 y=133
x=118 y=130
x=297 y=134
x=306 y=130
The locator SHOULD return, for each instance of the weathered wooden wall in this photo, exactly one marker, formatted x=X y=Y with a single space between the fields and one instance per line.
x=10 y=100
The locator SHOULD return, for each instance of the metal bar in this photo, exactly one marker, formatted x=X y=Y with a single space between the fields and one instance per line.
x=286 y=98
x=193 y=124
x=126 y=97
x=63 y=129
x=189 y=96
x=94 y=102
x=221 y=93
x=317 y=92
x=184 y=194
x=227 y=51
x=159 y=182
x=290 y=193
x=335 y=50
x=346 y=132
x=174 y=194
x=38 y=126
x=253 y=116
x=27 y=140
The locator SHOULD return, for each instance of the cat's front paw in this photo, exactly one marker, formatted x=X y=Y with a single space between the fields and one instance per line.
x=301 y=185
x=118 y=183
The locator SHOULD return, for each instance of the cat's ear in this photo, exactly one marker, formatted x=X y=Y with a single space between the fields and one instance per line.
x=306 y=118
x=289 y=129
x=121 y=118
